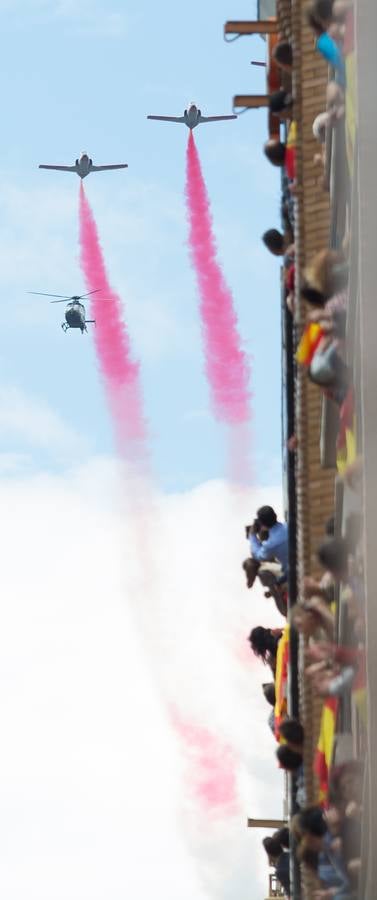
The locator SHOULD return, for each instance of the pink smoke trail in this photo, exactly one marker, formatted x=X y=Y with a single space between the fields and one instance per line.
x=112 y=342
x=226 y=364
x=211 y=766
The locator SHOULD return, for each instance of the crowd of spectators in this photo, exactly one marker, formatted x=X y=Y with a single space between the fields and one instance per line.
x=327 y=836
x=324 y=837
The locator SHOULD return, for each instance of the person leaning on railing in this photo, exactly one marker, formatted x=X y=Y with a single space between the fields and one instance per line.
x=276 y=545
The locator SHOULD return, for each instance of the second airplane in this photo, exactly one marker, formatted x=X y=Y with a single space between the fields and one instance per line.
x=191 y=117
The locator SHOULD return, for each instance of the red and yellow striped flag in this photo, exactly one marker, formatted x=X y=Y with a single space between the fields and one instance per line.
x=325 y=746
x=281 y=679
x=310 y=339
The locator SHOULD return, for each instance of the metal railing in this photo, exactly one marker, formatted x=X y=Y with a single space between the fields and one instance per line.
x=289 y=481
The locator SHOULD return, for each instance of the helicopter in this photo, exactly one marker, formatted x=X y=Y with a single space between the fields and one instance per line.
x=75 y=311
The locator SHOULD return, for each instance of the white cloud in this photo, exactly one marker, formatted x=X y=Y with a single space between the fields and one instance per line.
x=91 y=18
x=33 y=252
x=11 y=463
x=105 y=612
x=86 y=17
x=37 y=425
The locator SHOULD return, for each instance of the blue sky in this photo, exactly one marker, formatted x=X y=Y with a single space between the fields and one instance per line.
x=79 y=77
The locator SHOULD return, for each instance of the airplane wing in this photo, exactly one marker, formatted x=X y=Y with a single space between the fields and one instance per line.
x=167 y=118
x=106 y=168
x=60 y=168
x=216 y=118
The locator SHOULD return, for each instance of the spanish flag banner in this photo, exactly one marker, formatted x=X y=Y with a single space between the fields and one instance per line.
x=310 y=339
x=325 y=746
x=290 y=152
x=346 y=448
x=281 y=679
x=292 y=135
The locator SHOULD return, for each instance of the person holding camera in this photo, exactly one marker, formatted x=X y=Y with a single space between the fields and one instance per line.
x=273 y=546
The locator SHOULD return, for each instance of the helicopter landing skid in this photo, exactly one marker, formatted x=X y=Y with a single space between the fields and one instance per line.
x=65 y=326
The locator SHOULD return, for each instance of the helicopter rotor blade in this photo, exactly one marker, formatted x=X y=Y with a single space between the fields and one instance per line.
x=83 y=296
x=39 y=294
x=97 y=291
x=62 y=297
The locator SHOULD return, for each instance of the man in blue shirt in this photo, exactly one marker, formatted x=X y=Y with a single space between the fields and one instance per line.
x=326 y=45
x=275 y=546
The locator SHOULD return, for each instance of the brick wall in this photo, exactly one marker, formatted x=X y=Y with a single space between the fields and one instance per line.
x=315 y=486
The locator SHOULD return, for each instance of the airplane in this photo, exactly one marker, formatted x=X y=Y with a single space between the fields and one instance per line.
x=75 y=311
x=84 y=166
x=191 y=117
